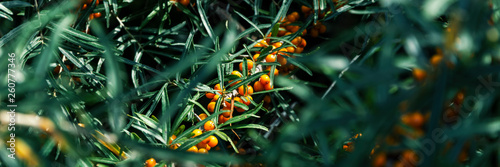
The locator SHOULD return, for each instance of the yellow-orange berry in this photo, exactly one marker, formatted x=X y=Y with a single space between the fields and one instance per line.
x=299 y=50
x=419 y=74
x=257 y=86
x=172 y=138
x=305 y=9
x=268 y=86
x=296 y=15
x=264 y=79
x=249 y=65
x=255 y=56
x=226 y=114
x=202 y=150
x=291 y=18
x=213 y=141
x=209 y=125
x=436 y=59
x=203 y=116
x=282 y=60
x=210 y=95
x=271 y=58
x=241 y=90
x=97 y=15
x=303 y=43
x=196 y=132
x=247 y=99
x=184 y=2
x=150 y=162
x=193 y=149
x=211 y=107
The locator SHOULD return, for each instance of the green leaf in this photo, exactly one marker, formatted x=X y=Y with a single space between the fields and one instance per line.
x=204 y=20
x=249 y=22
x=246 y=126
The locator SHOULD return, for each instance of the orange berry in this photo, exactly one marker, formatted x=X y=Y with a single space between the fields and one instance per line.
x=217 y=87
x=268 y=87
x=296 y=41
x=417 y=120
x=267 y=99
x=238 y=99
x=290 y=49
x=201 y=145
x=304 y=32
x=436 y=59
x=203 y=116
x=237 y=73
x=84 y=6
x=258 y=45
x=91 y=17
x=257 y=86
x=255 y=56
x=282 y=60
x=210 y=95
x=379 y=160
x=291 y=18
x=294 y=29
x=459 y=97
x=211 y=107
x=242 y=92
x=226 y=114
x=184 y=2
x=270 y=58
x=216 y=97
x=196 y=132
x=213 y=141
x=264 y=42
x=303 y=43
x=281 y=33
x=150 y=162
x=296 y=15
x=277 y=44
x=249 y=65
x=193 y=149
x=299 y=50
x=209 y=125
x=305 y=9
x=276 y=72
x=206 y=140
x=222 y=119
x=322 y=29
x=247 y=98
x=202 y=150
x=172 y=138
x=97 y=15
x=419 y=74
x=265 y=79
x=314 y=33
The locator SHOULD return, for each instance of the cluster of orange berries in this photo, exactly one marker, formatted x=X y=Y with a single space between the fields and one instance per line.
x=244 y=98
x=88 y=3
x=202 y=147
x=420 y=74
x=279 y=55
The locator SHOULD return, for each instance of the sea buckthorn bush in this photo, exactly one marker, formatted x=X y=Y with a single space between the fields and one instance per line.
x=249 y=83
